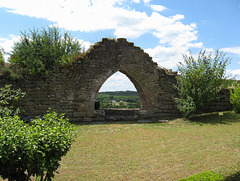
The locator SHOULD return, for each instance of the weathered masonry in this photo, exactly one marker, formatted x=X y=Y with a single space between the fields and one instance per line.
x=73 y=89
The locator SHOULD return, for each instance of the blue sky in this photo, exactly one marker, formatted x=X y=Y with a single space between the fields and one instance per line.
x=163 y=28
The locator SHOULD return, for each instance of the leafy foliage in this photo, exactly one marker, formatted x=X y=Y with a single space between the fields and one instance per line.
x=3 y=67
x=13 y=148
x=7 y=68
x=235 y=97
x=200 y=81
x=9 y=100
x=1 y=57
x=205 y=176
x=35 y=149
x=38 y=52
x=186 y=106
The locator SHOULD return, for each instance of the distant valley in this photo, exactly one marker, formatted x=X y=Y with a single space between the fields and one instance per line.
x=119 y=99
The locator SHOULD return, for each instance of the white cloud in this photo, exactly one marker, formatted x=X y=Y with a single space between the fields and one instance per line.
x=85 y=44
x=209 y=50
x=86 y=15
x=234 y=50
x=146 y=1
x=167 y=57
x=117 y=82
x=158 y=8
x=136 y=1
x=234 y=73
x=174 y=37
x=7 y=44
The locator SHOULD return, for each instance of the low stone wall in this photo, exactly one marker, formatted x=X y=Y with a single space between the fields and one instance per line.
x=43 y=94
x=73 y=89
x=221 y=104
x=116 y=115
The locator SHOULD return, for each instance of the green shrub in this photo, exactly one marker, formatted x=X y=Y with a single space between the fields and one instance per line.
x=205 y=176
x=9 y=100
x=38 y=52
x=235 y=97
x=35 y=149
x=186 y=106
x=1 y=58
x=14 y=146
x=200 y=81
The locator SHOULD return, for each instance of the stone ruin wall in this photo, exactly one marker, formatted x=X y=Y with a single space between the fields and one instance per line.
x=73 y=89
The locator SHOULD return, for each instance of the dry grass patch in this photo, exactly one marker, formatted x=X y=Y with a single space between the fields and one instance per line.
x=153 y=151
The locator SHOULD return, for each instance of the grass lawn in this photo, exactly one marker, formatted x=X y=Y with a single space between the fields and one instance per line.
x=154 y=151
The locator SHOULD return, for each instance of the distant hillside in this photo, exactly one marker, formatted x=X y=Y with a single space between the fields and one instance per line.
x=120 y=93
x=119 y=99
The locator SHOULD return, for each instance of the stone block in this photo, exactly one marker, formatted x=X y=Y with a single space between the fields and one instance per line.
x=78 y=114
x=99 y=113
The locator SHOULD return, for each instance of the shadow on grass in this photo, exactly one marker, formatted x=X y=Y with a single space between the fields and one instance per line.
x=206 y=118
x=111 y=122
x=234 y=177
x=216 y=118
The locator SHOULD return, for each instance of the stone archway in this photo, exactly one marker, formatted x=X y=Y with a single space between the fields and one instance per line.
x=72 y=89
x=145 y=104
x=134 y=83
x=110 y=56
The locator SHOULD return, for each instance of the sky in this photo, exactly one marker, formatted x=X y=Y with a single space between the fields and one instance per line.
x=165 y=29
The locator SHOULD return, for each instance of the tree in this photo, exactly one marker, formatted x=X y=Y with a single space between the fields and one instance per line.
x=200 y=81
x=38 y=52
x=235 y=97
x=1 y=57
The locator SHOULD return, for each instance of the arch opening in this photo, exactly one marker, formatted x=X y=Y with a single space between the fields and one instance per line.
x=118 y=92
